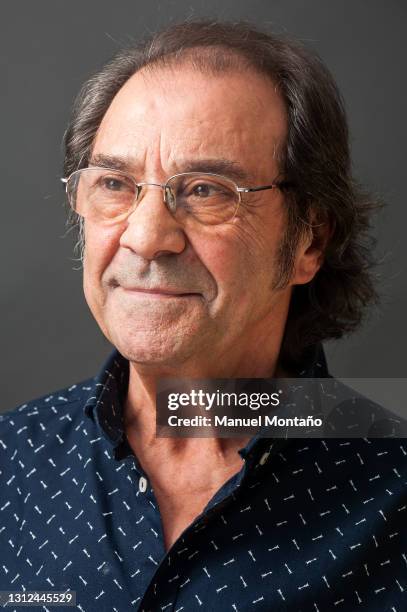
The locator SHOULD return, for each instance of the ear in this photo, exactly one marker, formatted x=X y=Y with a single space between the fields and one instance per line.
x=311 y=250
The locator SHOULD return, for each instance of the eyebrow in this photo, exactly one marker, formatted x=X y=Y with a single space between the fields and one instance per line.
x=225 y=167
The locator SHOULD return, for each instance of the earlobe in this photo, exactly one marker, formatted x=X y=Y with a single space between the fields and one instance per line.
x=307 y=267
x=311 y=253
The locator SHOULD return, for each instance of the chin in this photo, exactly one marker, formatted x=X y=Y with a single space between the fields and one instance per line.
x=156 y=341
x=153 y=350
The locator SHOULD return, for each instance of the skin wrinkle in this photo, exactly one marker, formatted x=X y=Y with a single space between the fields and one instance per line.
x=129 y=165
x=249 y=201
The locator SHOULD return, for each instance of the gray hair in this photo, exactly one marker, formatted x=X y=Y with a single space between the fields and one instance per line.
x=315 y=160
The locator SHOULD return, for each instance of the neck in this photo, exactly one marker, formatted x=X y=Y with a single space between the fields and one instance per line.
x=140 y=405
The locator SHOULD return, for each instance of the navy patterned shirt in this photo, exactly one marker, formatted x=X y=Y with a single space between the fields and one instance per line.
x=305 y=525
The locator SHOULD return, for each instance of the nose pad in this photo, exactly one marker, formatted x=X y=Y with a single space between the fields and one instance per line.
x=169 y=198
x=138 y=192
x=140 y=195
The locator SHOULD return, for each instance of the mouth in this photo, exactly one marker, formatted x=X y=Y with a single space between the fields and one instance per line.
x=158 y=293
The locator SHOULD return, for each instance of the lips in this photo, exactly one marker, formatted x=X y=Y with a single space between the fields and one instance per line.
x=159 y=291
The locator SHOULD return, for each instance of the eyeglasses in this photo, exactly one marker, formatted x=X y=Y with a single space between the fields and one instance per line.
x=105 y=195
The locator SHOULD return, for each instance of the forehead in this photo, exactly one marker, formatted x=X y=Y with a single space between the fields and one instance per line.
x=165 y=115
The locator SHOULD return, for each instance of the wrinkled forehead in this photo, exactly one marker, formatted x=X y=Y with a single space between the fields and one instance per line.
x=178 y=111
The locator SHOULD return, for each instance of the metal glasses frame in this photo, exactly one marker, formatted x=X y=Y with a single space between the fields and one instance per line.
x=171 y=203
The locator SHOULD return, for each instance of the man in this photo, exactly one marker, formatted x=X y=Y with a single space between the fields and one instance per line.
x=222 y=237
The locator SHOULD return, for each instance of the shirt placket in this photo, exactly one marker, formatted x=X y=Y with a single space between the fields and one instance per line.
x=166 y=584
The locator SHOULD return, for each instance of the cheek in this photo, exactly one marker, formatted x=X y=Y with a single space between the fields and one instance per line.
x=250 y=248
x=101 y=244
x=217 y=251
x=236 y=261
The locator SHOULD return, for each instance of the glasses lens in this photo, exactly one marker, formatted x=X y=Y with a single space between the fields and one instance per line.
x=210 y=199
x=100 y=194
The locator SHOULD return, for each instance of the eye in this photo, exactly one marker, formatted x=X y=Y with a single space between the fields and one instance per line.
x=204 y=190
x=115 y=183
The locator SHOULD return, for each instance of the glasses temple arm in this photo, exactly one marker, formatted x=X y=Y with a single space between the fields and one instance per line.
x=280 y=185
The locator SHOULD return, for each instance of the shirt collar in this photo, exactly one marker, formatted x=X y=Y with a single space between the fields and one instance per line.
x=313 y=365
x=105 y=404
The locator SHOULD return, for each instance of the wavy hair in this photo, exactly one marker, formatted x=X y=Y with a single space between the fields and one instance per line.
x=315 y=160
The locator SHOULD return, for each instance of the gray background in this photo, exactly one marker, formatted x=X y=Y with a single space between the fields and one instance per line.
x=49 y=47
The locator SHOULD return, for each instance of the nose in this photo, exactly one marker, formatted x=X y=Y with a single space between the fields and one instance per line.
x=151 y=231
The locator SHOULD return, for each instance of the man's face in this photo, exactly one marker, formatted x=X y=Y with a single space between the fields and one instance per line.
x=160 y=124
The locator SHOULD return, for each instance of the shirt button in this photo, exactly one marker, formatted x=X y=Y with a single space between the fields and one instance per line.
x=142 y=484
